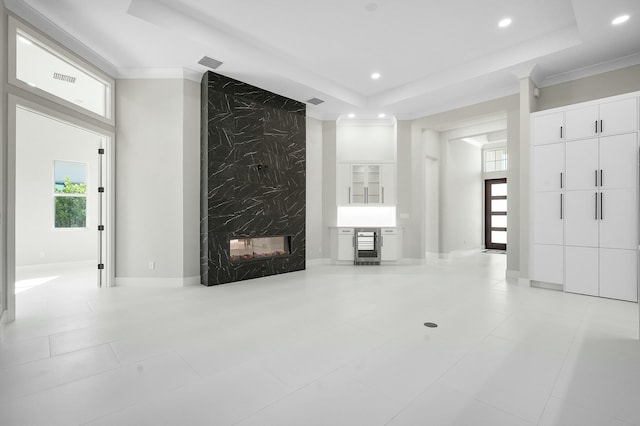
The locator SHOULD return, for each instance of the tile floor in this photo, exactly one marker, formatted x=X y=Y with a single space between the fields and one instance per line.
x=332 y=345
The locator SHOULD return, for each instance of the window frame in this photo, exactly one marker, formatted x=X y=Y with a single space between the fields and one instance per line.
x=15 y=25
x=495 y=162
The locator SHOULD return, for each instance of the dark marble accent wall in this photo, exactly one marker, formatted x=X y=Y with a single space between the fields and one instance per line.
x=252 y=177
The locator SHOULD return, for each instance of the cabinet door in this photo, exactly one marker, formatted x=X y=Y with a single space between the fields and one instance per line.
x=619 y=161
x=358 y=183
x=581 y=122
x=582 y=164
x=619 y=116
x=388 y=182
x=547 y=219
x=619 y=274
x=548 y=128
x=581 y=270
x=345 y=244
x=374 y=193
x=389 y=249
x=548 y=169
x=343 y=184
x=548 y=263
x=581 y=218
x=618 y=219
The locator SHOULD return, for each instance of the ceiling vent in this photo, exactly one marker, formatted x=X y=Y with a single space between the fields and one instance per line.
x=64 y=77
x=209 y=62
x=315 y=101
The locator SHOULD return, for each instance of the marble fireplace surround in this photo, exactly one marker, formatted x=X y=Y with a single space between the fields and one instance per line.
x=252 y=178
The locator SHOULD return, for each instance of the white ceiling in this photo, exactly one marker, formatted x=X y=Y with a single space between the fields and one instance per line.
x=433 y=55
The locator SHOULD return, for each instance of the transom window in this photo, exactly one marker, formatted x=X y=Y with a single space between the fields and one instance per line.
x=495 y=160
x=51 y=72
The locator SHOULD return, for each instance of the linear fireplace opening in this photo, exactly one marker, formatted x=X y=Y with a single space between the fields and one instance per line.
x=242 y=249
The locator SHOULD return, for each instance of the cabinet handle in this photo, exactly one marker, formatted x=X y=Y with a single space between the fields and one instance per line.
x=560 y=180
x=561 y=202
x=596 y=194
x=560 y=132
x=601 y=204
x=596 y=126
x=601 y=177
x=601 y=129
x=349 y=195
x=383 y=195
x=596 y=178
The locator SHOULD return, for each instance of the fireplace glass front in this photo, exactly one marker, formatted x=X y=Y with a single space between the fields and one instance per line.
x=259 y=248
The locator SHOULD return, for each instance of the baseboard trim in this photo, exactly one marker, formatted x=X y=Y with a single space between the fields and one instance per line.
x=317 y=262
x=547 y=286
x=157 y=282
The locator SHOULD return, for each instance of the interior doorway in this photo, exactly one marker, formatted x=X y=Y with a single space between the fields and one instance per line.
x=495 y=217
x=60 y=211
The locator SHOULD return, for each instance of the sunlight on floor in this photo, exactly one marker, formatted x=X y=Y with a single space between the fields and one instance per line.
x=25 y=285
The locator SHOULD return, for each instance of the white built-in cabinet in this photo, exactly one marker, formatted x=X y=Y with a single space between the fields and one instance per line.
x=585 y=197
x=389 y=244
x=346 y=244
x=365 y=184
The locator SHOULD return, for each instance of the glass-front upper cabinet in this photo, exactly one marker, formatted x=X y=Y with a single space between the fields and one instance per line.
x=365 y=184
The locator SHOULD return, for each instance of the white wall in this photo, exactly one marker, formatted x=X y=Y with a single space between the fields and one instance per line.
x=3 y=179
x=329 y=207
x=314 y=230
x=39 y=142
x=191 y=180
x=366 y=143
x=152 y=171
x=462 y=207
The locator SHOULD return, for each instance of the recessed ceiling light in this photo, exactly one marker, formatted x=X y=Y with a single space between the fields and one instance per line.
x=504 y=23
x=351 y=115
x=382 y=115
x=620 y=20
x=375 y=76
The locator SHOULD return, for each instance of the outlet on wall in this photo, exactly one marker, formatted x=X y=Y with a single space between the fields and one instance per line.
x=152 y=264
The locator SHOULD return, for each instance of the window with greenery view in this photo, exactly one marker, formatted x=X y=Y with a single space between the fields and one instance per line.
x=70 y=194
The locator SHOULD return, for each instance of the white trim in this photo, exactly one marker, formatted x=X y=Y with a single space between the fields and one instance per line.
x=547 y=286
x=592 y=70
x=147 y=282
x=159 y=73
x=45 y=25
x=317 y=262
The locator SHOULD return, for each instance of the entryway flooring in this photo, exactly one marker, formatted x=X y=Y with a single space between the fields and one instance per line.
x=332 y=345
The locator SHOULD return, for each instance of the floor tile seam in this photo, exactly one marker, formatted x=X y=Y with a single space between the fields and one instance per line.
x=488 y=404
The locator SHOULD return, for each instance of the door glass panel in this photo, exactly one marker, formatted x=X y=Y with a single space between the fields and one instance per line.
x=499 y=205
x=499 y=190
x=70 y=188
x=498 y=221
x=499 y=237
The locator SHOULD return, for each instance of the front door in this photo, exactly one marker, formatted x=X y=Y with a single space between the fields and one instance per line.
x=495 y=217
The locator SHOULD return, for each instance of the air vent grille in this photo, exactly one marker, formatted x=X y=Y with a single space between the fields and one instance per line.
x=315 y=101
x=64 y=77
x=209 y=62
